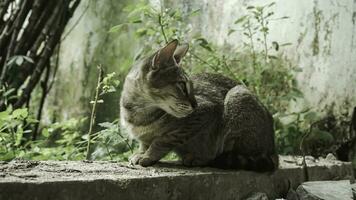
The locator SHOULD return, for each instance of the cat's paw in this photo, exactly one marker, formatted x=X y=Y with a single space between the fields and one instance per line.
x=141 y=159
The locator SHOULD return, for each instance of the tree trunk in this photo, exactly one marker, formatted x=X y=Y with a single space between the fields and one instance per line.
x=29 y=32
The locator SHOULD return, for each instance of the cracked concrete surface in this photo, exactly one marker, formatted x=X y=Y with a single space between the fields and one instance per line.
x=111 y=180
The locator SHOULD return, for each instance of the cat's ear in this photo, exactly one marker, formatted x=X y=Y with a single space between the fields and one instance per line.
x=165 y=54
x=180 y=52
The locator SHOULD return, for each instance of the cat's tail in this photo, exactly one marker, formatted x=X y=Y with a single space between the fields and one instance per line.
x=260 y=163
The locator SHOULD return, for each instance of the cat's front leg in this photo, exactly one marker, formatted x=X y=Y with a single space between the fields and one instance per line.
x=141 y=159
x=136 y=157
x=158 y=149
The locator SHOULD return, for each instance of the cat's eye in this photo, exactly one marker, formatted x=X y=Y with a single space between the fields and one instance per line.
x=182 y=86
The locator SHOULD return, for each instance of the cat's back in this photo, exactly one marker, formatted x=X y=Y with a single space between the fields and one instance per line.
x=212 y=86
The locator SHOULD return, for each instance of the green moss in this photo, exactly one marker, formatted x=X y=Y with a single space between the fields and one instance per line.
x=302 y=36
x=328 y=34
x=317 y=20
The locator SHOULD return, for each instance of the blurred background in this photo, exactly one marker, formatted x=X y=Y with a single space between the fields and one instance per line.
x=63 y=64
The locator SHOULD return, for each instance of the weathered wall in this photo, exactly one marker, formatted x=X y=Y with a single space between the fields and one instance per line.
x=87 y=45
x=322 y=33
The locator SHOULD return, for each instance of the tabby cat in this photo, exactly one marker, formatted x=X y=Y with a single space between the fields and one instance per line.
x=207 y=119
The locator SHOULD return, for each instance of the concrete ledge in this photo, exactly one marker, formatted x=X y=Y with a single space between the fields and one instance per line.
x=108 y=180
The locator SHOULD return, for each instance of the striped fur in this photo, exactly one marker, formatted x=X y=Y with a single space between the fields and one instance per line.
x=207 y=119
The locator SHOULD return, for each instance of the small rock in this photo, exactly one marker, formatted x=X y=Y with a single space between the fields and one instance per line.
x=325 y=190
x=258 y=196
x=300 y=161
x=310 y=158
x=330 y=157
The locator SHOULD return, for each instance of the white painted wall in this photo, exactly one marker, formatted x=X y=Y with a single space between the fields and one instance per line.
x=328 y=76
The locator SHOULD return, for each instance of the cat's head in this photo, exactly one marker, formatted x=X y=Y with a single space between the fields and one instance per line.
x=167 y=83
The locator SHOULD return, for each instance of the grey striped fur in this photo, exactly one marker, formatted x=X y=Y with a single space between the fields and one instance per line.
x=208 y=119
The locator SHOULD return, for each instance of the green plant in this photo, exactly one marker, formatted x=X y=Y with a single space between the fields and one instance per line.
x=59 y=141
x=93 y=111
x=13 y=127
x=111 y=143
x=257 y=63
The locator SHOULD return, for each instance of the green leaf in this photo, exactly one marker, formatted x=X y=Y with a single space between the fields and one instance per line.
x=19 y=134
x=11 y=61
x=45 y=133
x=297 y=92
x=241 y=19
x=259 y=8
x=107 y=124
x=141 y=32
x=7 y=156
x=297 y=69
x=325 y=136
x=20 y=113
x=264 y=29
x=231 y=31
x=195 y=12
x=286 y=44
x=137 y=21
x=4 y=115
x=204 y=43
x=269 y=14
x=118 y=28
x=275 y=45
x=28 y=59
x=310 y=116
x=272 y=57
x=8 y=92
x=19 y=60
x=271 y=4
x=138 y=10
x=31 y=120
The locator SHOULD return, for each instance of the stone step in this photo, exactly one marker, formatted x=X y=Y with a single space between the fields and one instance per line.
x=325 y=190
x=98 y=180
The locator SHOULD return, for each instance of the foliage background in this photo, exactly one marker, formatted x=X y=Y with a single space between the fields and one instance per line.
x=135 y=28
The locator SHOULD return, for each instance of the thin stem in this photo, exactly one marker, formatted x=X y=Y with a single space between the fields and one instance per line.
x=204 y=62
x=162 y=28
x=264 y=36
x=12 y=132
x=227 y=67
x=93 y=111
x=252 y=44
x=107 y=150
x=301 y=148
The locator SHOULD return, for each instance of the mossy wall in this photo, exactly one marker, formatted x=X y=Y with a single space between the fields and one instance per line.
x=322 y=34
x=87 y=45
